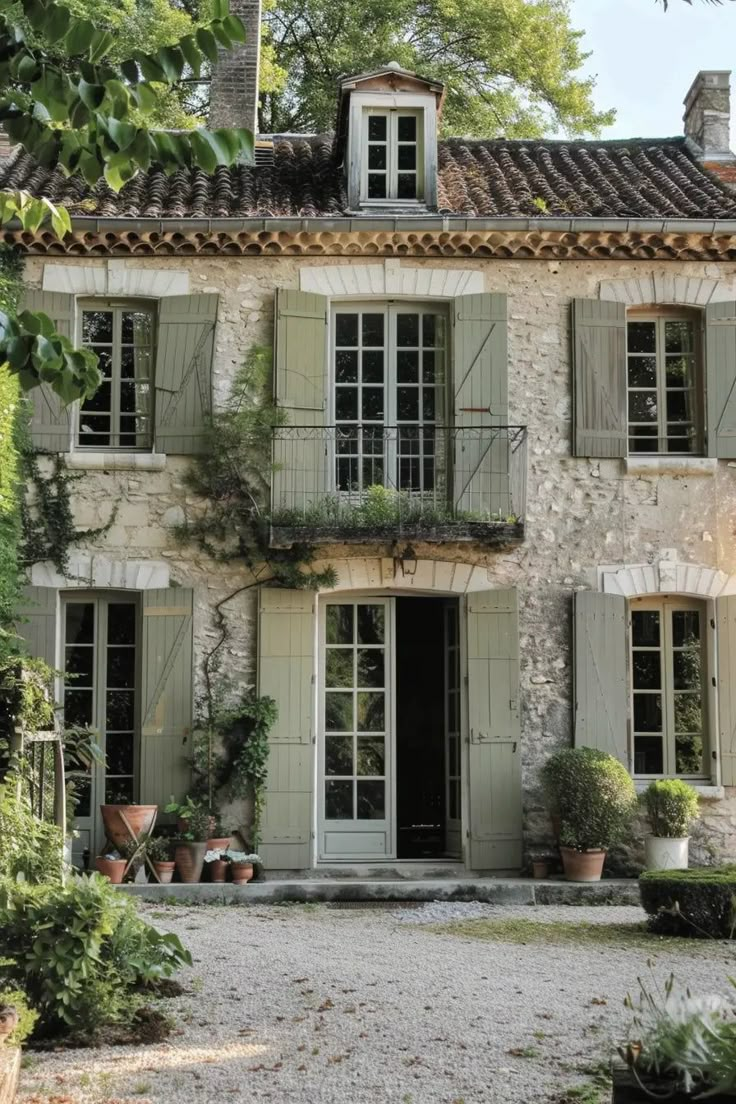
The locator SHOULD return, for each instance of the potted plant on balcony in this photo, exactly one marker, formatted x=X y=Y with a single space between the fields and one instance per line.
x=672 y=806
x=192 y=846
x=679 y=1048
x=594 y=798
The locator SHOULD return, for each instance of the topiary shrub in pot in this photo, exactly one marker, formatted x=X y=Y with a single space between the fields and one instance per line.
x=671 y=807
x=594 y=798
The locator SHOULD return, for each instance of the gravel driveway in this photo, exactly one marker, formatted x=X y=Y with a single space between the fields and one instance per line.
x=318 y=1005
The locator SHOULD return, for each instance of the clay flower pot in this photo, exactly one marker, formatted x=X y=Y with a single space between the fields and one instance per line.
x=218 y=843
x=141 y=819
x=189 y=858
x=540 y=869
x=113 y=869
x=218 y=870
x=582 y=866
x=182 y=825
x=242 y=872
x=165 y=871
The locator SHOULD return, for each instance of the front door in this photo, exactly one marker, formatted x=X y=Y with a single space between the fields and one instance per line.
x=356 y=790
x=100 y=690
x=453 y=734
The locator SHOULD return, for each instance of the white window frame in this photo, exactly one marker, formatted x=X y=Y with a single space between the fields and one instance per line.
x=661 y=315
x=666 y=603
x=357 y=158
x=392 y=143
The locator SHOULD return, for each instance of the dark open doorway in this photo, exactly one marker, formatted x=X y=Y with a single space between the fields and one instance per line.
x=421 y=748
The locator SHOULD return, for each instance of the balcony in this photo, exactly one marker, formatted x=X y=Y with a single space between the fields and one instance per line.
x=356 y=484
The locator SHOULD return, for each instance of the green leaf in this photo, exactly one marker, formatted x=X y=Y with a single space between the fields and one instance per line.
x=56 y=23
x=91 y=95
x=119 y=170
x=60 y=220
x=234 y=27
x=150 y=68
x=207 y=43
x=172 y=62
x=188 y=47
x=90 y=167
x=131 y=71
x=100 y=45
x=146 y=97
x=79 y=37
x=122 y=134
x=220 y=34
x=220 y=8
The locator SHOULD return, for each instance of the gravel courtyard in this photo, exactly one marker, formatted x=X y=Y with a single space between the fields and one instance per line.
x=312 y=1004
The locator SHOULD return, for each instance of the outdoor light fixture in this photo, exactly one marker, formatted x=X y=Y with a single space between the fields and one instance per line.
x=408 y=561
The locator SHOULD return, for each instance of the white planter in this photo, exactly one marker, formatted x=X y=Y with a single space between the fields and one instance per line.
x=666 y=854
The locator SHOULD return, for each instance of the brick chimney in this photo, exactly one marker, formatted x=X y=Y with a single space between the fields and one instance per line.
x=708 y=114
x=234 y=87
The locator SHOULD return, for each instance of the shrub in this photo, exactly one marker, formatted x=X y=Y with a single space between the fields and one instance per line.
x=698 y=902
x=158 y=849
x=81 y=952
x=27 y=1016
x=29 y=847
x=593 y=795
x=671 y=806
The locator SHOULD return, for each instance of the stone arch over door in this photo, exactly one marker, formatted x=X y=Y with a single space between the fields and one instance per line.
x=665 y=577
x=424 y=576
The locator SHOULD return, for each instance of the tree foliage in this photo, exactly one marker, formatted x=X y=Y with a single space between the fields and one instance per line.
x=510 y=66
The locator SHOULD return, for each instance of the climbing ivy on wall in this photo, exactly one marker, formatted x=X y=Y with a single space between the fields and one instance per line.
x=11 y=417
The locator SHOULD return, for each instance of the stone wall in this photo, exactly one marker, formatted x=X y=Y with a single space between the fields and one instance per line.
x=581 y=514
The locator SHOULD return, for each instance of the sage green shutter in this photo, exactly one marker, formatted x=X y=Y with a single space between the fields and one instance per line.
x=37 y=622
x=185 y=344
x=720 y=373
x=494 y=732
x=302 y=452
x=286 y=664
x=480 y=401
x=599 y=378
x=726 y=621
x=600 y=684
x=166 y=695
x=51 y=420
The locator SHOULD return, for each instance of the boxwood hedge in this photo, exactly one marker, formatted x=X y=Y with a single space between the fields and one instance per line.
x=700 y=903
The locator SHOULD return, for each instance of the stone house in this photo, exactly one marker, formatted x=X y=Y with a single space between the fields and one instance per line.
x=531 y=345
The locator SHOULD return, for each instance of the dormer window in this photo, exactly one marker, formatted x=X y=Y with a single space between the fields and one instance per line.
x=387 y=134
x=393 y=162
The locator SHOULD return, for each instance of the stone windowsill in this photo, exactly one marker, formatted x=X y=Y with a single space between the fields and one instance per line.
x=706 y=791
x=671 y=465
x=116 y=461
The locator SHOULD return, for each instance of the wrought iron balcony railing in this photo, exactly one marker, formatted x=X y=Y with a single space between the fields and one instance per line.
x=368 y=479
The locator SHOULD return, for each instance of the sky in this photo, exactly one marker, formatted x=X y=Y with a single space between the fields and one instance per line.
x=645 y=60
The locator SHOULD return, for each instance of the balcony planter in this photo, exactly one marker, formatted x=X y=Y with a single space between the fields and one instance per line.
x=489 y=533
x=627 y=1090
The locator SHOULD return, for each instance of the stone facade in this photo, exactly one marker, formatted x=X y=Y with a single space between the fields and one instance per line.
x=582 y=515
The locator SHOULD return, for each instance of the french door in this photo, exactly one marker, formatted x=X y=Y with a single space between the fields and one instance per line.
x=453 y=733
x=100 y=691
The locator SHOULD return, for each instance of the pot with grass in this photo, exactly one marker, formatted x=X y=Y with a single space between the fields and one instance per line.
x=158 y=850
x=671 y=806
x=191 y=846
x=594 y=797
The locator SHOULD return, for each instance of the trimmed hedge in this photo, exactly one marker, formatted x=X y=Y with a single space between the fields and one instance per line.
x=700 y=903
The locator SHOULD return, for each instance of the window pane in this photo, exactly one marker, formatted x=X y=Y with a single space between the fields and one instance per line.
x=646 y=671
x=685 y=627
x=370 y=667
x=428 y=367
x=407 y=404
x=78 y=707
x=119 y=753
x=372 y=406
x=135 y=363
x=679 y=371
x=377 y=157
x=346 y=366
x=376 y=185
x=121 y=623
x=648 y=755
x=339 y=711
x=647 y=712
x=120 y=710
x=371 y=755
x=339 y=667
x=372 y=366
x=372 y=329
x=346 y=329
x=645 y=628
x=377 y=128
x=407 y=366
x=641 y=337
x=371 y=800
x=137 y=327
x=686 y=667
x=120 y=668
x=96 y=326
x=119 y=791
x=688 y=713
x=407 y=186
x=94 y=430
x=371 y=624
x=101 y=400
x=689 y=754
x=339 y=624
x=339 y=800
x=642 y=406
x=79 y=661
x=346 y=404
x=642 y=371
x=407 y=157
x=371 y=712
x=678 y=406
x=339 y=755
x=80 y=623
x=407 y=128
x=679 y=336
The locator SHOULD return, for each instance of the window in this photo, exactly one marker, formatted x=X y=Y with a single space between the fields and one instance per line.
x=118 y=416
x=389 y=397
x=668 y=664
x=392 y=157
x=664 y=383
x=100 y=688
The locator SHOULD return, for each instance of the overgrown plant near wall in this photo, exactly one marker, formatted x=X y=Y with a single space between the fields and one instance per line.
x=11 y=285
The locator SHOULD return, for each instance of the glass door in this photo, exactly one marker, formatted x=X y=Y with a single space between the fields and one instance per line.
x=356 y=807
x=453 y=740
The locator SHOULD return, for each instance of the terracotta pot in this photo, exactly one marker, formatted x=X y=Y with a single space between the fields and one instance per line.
x=190 y=860
x=141 y=819
x=540 y=869
x=218 y=843
x=218 y=870
x=582 y=866
x=165 y=871
x=242 y=872
x=111 y=868
x=182 y=825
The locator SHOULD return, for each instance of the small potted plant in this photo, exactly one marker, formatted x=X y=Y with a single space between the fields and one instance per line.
x=594 y=797
x=112 y=866
x=217 y=841
x=242 y=866
x=671 y=807
x=158 y=850
x=216 y=861
x=192 y=846
x=185 y=810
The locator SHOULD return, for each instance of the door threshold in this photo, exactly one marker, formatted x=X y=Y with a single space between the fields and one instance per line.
x=390 y=868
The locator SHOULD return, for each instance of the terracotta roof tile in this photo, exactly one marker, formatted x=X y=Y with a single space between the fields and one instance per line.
x=655 y=178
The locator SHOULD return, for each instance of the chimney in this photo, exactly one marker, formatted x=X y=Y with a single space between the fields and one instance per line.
x=234 y=86
x=708 y=115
